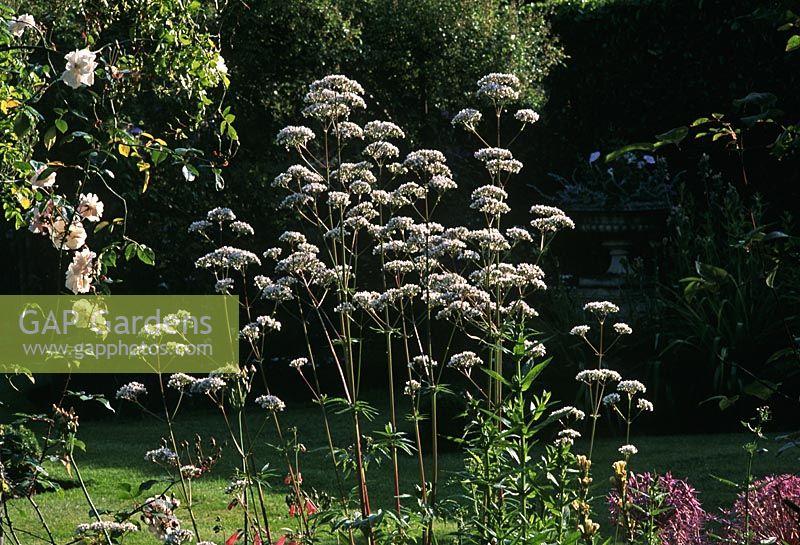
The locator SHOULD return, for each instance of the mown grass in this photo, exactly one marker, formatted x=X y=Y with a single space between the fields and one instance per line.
x=115 y=449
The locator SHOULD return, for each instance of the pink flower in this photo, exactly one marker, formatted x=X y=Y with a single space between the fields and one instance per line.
x=80 y=271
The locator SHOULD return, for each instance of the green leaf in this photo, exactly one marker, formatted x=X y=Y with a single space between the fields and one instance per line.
x=531 y=375
x=710 y=272
x=793 y=43
x=62 y=126
x=725 y=481
x=496 y=376
x=146 y=255
x=49 y=137
x=674 y=136
x=130 y=251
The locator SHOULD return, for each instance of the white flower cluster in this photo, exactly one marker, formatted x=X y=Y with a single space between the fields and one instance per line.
x=298 y=363
x=535 y=349
x=180 y=381
x=490 y=200
x=162 y=456
x=526 y=116
x=199 y=226
x=227 y=257
x=631 y=387
x=382 y=130
x=220 y=214
x=208 y=385
x=467 y=118
x=628 y=450
x=622 y=329
x=347 y=130
x=598 y=375
x=427 y=161
x=294 y=136
x=579 y=330
x=270 y=403
x=131 y=391
x=550 y=219
x=381 y=151
x=568 y=412
x=333 y=98
x=567 y=436
x=499 y=88
x=101 y=527
x=412 y=387
x=601 y=308
x=465 y=361
x=242 y=228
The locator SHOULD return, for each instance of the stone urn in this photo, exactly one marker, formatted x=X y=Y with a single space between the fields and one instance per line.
x=621 y=230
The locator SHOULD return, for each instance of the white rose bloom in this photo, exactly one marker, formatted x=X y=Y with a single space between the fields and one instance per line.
x=47 y=181
x=18 y=25
x=220 y=65
x=80 y=68
x=90 y=207
x=71 y=239
x=79 y=272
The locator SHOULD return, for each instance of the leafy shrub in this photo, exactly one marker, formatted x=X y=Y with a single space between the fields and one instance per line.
x=19 y=452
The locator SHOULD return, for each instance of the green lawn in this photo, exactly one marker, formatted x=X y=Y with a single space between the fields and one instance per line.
x=115 y=450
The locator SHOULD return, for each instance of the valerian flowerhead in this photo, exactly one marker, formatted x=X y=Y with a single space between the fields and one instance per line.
x=220 y=214
x=180 y=381
x=333 y=98
x=550 y=219
x=622 y=329
x=208 y=385
x=598 y=375
x=294 y=136
x=242 y=228
x=601 y=309
x=80 y=68
x=568 y=412
x=631 y=387
x=467 y=118
x=383 y=130
x=412 y=387
x=579 y=330
x=270 y=403
x=298 y=363
x=628 y=450
x=526 y=116
x=131 y=391
x=499 y=88
x=465 y=361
